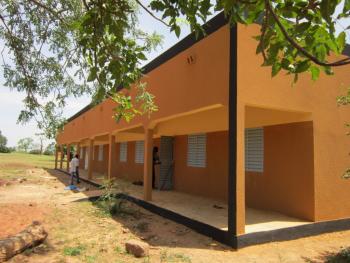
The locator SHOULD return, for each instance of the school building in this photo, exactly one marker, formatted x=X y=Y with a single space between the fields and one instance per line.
x=244 y=158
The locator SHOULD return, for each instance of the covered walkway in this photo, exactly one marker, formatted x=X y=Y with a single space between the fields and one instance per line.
x=206 y=210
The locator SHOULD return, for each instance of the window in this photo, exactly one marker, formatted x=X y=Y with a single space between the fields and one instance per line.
x=123 y=151
x=196 y=150
x=139 y=151
x=100 y=152
x=254 y=150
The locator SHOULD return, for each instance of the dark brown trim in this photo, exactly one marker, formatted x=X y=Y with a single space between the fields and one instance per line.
x=290 y=233
x=232 y=174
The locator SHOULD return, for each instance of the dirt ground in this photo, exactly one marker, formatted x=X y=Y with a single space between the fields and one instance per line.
x=79 y=231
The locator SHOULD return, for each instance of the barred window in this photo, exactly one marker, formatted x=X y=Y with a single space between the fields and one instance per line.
x=139 y=151
x=123 y=152
x=196 y=150
x=254 y=150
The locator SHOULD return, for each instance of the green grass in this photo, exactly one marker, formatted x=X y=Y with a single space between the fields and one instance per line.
x=174 y=257
x=16 y=159
x=73 y=251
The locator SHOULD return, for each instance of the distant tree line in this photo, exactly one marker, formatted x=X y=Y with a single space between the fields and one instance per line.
x=27 y=145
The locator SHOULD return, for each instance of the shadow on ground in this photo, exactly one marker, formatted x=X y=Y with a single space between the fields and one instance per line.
x=153 y=229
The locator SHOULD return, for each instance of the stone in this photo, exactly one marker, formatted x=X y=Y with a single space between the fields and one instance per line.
x=137 y=248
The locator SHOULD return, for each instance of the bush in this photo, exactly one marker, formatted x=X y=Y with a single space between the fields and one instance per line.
x=110 y=202
x=47 y=152
x=35 y=151
x=5 y=149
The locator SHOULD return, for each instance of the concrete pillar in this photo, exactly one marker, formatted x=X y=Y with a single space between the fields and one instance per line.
x=56 y=156
x=147 y=165
x=68 y=156
x=111 y=157
x=91 y=164
x=62 y=154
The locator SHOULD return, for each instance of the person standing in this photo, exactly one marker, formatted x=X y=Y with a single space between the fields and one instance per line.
x=156 y=161
x=74 y=164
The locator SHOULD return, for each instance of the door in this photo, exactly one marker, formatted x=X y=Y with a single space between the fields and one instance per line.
x=166 y=163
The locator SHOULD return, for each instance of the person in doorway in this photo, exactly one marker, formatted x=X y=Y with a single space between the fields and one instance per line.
x=156 y=161
x=74 y=167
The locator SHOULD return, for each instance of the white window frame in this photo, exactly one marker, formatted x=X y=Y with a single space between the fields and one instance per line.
x=254 y=149
x=139 y=152
x=100 y=153
x=197 y=150
x=123 y=152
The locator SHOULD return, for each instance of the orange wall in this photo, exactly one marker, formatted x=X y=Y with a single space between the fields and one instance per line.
x=174 y=84
x=287 y=183
x=101 y=166
x=210 y=181
x=331 y=145
x=129 y=170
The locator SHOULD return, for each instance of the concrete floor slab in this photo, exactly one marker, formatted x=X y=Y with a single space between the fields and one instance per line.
x=206 y=210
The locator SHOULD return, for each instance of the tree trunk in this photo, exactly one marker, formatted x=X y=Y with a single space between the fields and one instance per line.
x=32 y=236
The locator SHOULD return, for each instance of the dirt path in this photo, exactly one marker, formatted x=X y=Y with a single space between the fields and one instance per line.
x=82 y=232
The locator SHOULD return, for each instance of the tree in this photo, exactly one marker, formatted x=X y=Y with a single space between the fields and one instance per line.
x=25 y=144
x=41 y=137
x=3 y=144
x=61 y=48
x=3 y=140
x=50 y=149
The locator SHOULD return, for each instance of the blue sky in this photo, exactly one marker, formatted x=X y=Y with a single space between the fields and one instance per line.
x=11 y=101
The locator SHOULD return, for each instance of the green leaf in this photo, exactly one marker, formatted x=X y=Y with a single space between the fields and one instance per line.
x=177 y=30
x=346 y=6
x=302 y=66
x=315 y=72
x=341 y=41
x=276 y=67
x=93 y=74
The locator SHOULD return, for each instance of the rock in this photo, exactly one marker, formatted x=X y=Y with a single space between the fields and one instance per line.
x=137 y=248
x=21 y=180
x=125 y=231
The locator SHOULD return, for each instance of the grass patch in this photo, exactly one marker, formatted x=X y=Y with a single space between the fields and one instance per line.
x=119 y=250
x=90 y=259
x=26 y=160
x=73 y=251
x=174 y=257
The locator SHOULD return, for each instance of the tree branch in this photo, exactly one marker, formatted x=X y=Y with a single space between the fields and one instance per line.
x=50 y=10
x=302 y=50
x=150 y=13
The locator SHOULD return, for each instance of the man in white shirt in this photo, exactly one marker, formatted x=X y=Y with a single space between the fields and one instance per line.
x=74 y=169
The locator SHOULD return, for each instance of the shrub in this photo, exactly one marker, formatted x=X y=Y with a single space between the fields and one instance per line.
x=35 y=151
x=110 y=202
x=343 y=256
x=5 y=149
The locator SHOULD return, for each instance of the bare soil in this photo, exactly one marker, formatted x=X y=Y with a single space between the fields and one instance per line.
x=79 y=231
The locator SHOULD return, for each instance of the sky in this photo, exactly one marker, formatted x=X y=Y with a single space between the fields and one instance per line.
x=11 y=101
